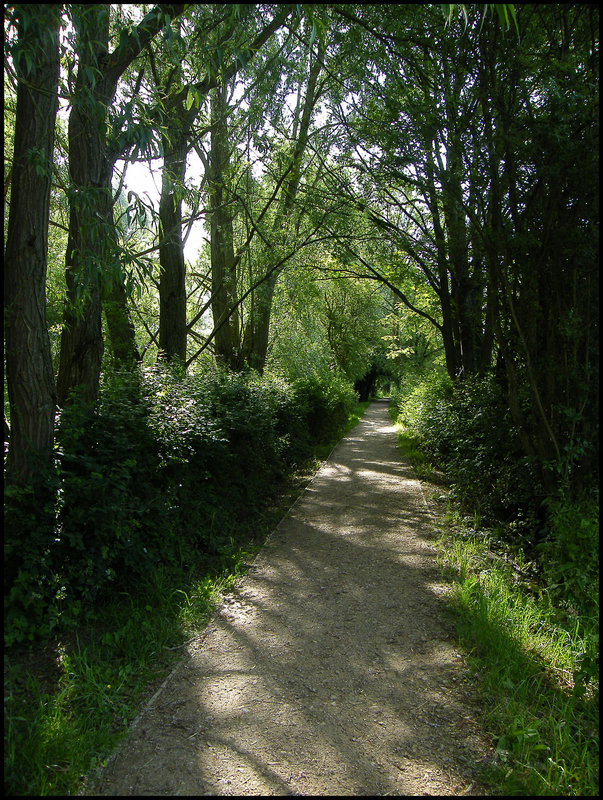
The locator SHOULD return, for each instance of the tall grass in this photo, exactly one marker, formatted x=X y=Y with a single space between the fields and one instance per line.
x=529 y=628
x=67 y=706
x=524 y=655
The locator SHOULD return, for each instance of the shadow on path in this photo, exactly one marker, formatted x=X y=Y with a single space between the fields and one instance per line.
x=330 y=669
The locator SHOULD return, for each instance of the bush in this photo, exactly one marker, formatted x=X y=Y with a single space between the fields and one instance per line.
x=168 y=467
x=418 y=395
x=97 y=511
x=570 y=553
x=30 y=582
x=107 y=520
x=327 y=399
x=466 y=428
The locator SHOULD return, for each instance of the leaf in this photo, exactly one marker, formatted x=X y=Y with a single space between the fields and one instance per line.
x=240 y=55
x=503 y=16
x=189 y=100
x=28 y=61
x=511 y=8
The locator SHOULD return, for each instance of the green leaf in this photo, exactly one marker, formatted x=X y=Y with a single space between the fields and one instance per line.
x=240 y=55
x=189 y=100
x=503 y=16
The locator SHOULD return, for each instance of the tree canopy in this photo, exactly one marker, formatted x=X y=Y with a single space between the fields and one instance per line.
x=373 y=183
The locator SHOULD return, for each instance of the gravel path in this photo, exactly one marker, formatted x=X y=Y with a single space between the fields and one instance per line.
x=331 y=669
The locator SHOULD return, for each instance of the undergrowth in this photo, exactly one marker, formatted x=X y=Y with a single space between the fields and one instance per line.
x=526 y=615
x=69 y=701
x=528 y=659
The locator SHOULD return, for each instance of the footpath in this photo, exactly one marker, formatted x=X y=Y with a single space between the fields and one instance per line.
x=331 y=669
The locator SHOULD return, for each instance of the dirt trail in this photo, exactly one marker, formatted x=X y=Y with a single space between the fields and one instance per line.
x=330 y=670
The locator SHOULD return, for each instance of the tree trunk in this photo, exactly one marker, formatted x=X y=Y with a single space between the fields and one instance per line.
x=223 y=265
x=120 y=327
x=450 y=342
x=91 y=260
x=29 y=371
x=172 y=288
x=81 y=339
x=257 y=337
x=464 y=290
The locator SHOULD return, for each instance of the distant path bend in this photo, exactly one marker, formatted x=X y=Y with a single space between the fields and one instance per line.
x=330 y=670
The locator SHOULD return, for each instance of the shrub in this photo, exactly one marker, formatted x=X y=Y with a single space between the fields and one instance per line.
x=167 y=467
x=30 y=582
x=570 y=553
x=327 y=398
x=466 y=428
x=108 y=504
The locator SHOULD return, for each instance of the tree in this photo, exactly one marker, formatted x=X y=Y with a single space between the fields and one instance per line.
x=29 y=373
x=257 y=333
x=541 y=232
x=91 y=257
x=233 y=43
x=467 y=160
x=223 y=264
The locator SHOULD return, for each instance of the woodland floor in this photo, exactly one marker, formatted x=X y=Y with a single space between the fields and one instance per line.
x=332 y=668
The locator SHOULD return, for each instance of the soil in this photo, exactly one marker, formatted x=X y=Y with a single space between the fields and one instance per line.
x=332 y=668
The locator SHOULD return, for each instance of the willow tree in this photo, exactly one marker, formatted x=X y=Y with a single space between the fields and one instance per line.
x=218 y=42
x=223 y=263
x=477 y=153
x=29 y=374
x=91 y=258
x=257 y=334
x=265 y=235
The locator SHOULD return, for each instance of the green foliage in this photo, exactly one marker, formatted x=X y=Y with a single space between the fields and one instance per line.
x=529 y=615
x=30 y=582
x=108 y=502
x=525 y=659
x=61 y=719
x=570 y=553
x=466 y=428
x=417 y=394
x=327 y=398
x=166 y=465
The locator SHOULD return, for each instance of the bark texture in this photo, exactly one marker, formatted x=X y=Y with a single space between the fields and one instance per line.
x=28 y=357
x=223 y=264
x=172 y=287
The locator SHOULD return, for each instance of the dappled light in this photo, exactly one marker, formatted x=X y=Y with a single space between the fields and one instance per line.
x=327 y=670
x=229 y=230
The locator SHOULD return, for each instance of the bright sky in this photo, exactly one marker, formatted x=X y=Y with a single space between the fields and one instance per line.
x=147 y=185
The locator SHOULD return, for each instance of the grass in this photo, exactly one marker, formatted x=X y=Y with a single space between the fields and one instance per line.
x=524 y=654
x=355 y=416
x=409 y=445
x=67 y=703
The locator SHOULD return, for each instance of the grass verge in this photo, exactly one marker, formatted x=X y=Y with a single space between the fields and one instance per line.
x=524 y=654
x=68 y=703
